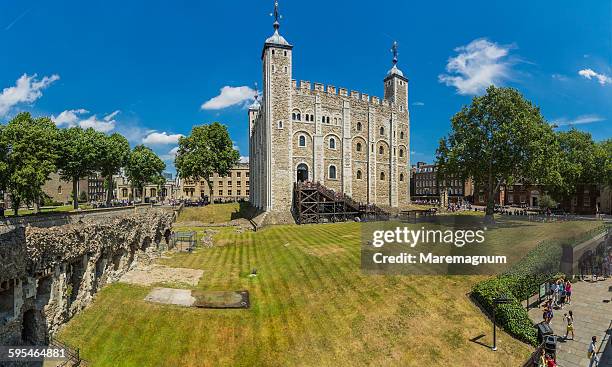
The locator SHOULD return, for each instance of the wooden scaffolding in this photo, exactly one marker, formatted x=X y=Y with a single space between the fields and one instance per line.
x=315 y=203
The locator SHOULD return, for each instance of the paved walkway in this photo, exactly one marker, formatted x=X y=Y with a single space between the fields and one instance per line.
x=592 y=316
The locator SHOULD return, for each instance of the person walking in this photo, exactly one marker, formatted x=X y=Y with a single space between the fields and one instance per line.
x=568 y=292
x=569 y=318
x=542 y=359
x=592 y=353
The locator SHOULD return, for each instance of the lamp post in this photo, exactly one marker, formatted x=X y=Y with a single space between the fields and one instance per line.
x=501 y=300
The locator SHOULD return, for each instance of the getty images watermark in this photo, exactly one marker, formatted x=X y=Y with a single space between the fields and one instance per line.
x=437 y=247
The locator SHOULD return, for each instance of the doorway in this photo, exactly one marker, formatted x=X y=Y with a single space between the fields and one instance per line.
x=302 y=172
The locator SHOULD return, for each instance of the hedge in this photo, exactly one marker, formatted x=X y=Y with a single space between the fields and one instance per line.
x=522 y=280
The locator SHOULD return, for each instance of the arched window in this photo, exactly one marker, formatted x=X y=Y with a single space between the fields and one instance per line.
x=359 y=174
x=381 y=150
x=382 y=176
x=401 y=177
x=332 y=143
x=401 y=152
x=302 y=141
x=332 y=172
x=382 y=130
x=294 y=116
x=312 y=117
x=327 y=119
x=359 y=126
x=358 y=147
x=280 y=124
x=307 y=117
x=401 y=135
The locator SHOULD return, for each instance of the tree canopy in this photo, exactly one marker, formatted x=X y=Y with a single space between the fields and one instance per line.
x=499 y=139
x=114 y=154
x=143 y=167
x=206 y=150
x=79 y=156
x=32 y=143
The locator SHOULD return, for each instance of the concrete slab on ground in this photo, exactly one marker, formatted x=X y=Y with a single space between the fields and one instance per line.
x=171 y=296
x=592 y=311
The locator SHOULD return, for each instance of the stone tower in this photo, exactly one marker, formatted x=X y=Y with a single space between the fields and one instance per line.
x=276 y=58
x=348 y=141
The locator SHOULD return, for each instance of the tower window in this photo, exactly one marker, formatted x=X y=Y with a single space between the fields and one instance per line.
x=285 y=53
x=359 y=126
x=359 y=174
x=273 y=68
x=382 y=176
x=307 y=117
x=302 y=141
x=401 y=177
x=381 y=150
x=401 y=135
x=280 y=124
x=382 y=130
x=358 y=147
x=286 y=70
x=332 y=172
x=312 y=117
x=401 y=153
x=332 y=143
x=327 y=119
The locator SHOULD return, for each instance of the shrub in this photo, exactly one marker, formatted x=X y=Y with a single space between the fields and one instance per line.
x=522 y=280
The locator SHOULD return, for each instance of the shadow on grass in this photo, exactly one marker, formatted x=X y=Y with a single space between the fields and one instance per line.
x=245 y=210
x=476 y=340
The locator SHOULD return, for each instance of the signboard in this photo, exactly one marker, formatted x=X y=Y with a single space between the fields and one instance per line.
x=542 y=293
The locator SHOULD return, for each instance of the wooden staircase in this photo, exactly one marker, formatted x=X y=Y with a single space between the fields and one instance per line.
x=315 y=203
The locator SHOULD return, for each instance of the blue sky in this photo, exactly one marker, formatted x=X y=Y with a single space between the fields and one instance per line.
x=147 y=68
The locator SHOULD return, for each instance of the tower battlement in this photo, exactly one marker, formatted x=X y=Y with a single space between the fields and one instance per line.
x=351 y=142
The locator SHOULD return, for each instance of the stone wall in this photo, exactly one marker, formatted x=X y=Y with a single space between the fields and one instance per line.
x=47 y=275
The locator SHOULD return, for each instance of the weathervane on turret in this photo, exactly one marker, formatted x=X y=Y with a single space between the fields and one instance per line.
x=276 y=15
x=394 y=50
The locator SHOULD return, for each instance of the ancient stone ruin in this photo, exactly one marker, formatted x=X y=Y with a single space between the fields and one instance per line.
x=47 y=275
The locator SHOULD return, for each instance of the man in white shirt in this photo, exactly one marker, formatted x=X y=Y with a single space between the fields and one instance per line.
x=593 y=353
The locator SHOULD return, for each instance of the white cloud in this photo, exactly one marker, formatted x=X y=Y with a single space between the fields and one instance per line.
x=477 y=66
x=156 y=138
x=418 y=104
x=583 y=119
x=244 y=159
x=27 y=89
x=230 y=96
x=70 y=118
x=169 y=157
x=603 y=79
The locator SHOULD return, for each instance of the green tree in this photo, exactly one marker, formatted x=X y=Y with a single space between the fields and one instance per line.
x=32 y=154
x=206 y=150
x=79 y=156
x=547 y=202
x=500 y=138
x=143 y=167
x=4 y=167
x=114 y=154
x=604 y=161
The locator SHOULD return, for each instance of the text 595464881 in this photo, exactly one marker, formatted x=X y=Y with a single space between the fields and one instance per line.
x=31 y=353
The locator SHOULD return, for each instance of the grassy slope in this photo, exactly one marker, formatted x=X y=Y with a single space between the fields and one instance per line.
x=215 y=213
x=310 y=306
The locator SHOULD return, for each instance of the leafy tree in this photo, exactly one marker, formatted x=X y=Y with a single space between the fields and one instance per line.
x=4 y=167
x=79 y=156
x=500 y=138
x=547 y=202
x=143 y=167
x=206 y=150
x=32 y=154
x=114 y=154
x=604 y=161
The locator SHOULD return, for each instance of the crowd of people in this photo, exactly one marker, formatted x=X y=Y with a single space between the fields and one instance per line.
x=559 y=295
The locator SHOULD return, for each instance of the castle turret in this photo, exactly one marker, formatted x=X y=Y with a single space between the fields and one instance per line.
x=276 y=57
x=396 y=84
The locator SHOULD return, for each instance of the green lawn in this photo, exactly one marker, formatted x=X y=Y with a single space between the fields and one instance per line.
x=215 y=213
x=47 y=209
x=310 y=306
